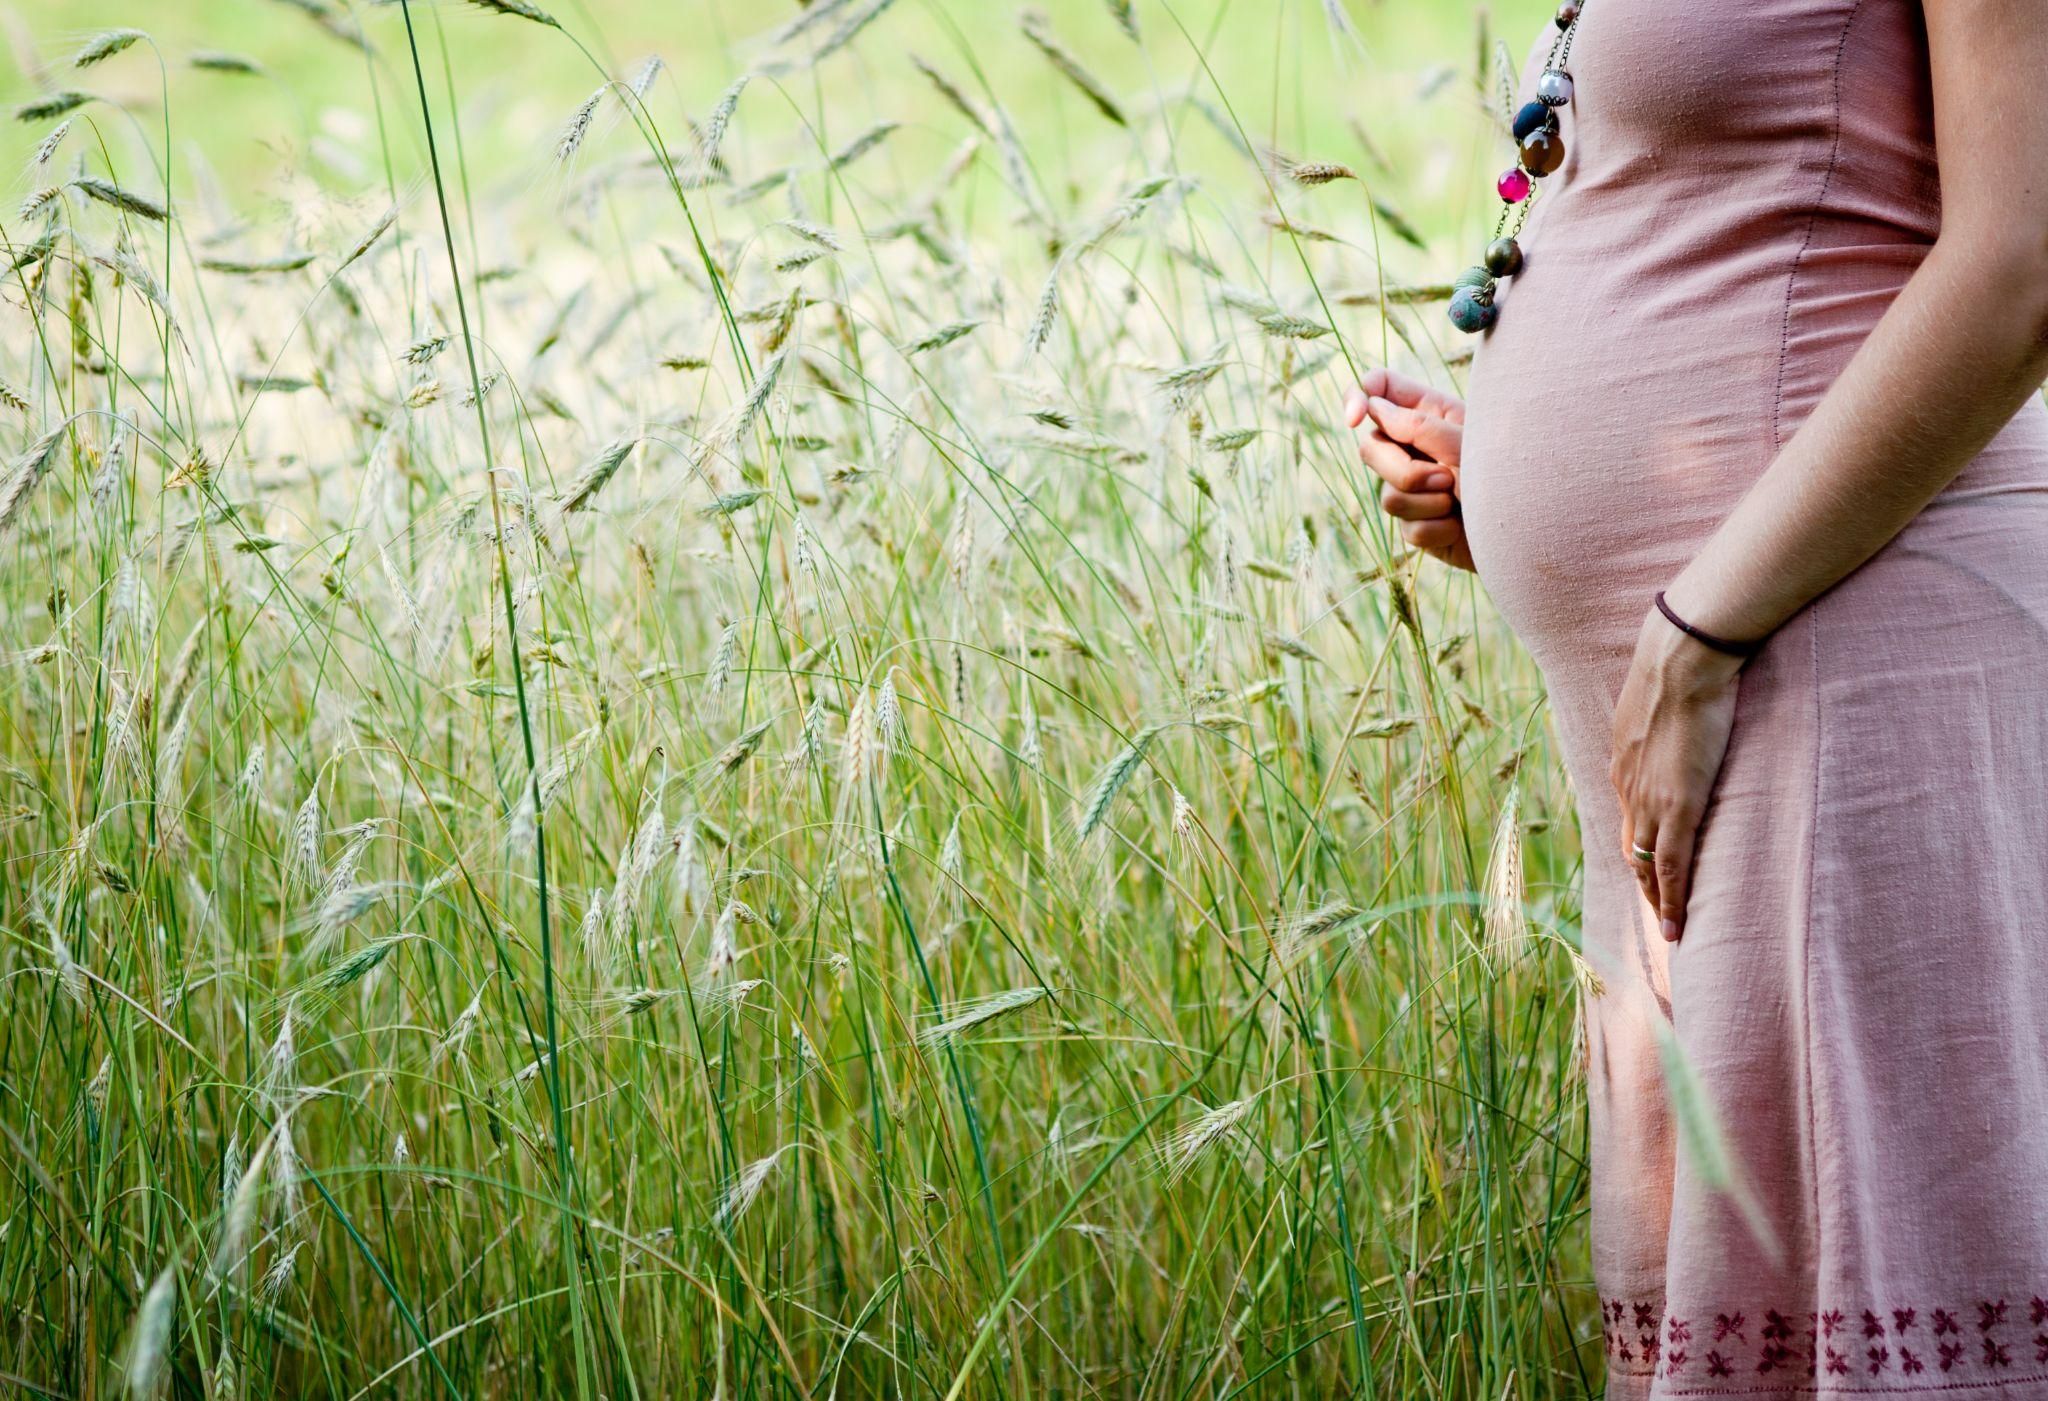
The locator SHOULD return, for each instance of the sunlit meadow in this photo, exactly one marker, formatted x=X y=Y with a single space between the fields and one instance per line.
x=700 y=700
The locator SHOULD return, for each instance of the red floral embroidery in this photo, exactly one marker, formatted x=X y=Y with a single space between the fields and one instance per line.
x=1638 y=1335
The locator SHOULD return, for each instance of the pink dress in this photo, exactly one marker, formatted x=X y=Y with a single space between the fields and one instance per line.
x=1863 y=984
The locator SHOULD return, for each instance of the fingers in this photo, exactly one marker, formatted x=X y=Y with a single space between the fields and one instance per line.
x=1401 y=469
x=1638 y=835
x=1402 y=392
x=1418 y=506
x=1428 y=433
x=1410 y=393
x=1665 y=879
x=1442 y=538
x=1674 y=872
x=1419 y=471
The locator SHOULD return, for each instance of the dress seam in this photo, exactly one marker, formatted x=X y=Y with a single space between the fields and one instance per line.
x=1806 y=950
x=1827 y=182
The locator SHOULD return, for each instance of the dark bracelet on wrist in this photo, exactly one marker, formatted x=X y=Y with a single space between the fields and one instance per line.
x=1723 y=645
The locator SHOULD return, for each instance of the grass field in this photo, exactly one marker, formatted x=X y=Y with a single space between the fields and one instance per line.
x=670 y=738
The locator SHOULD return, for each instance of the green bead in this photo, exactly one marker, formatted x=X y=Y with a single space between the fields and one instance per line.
x=1503 y=257
x=1472 y=277
x=1472 y=311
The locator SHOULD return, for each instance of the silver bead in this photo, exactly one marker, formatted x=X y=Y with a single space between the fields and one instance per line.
x=1554 y=88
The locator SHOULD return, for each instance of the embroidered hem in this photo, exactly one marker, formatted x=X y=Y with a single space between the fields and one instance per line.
x=1914 y=1348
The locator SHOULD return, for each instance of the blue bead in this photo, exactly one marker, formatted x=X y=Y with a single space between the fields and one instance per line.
x=1471 y=315
x=1534 y=116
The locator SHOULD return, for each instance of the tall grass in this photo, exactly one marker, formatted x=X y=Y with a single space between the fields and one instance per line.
x=721 y=763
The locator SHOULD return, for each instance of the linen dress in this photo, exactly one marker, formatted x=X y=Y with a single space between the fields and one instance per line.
x=1862 y=988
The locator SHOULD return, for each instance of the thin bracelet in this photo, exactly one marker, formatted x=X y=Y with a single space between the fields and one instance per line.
x=1719 y=644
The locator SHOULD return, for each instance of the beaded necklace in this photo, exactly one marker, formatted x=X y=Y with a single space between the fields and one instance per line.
x=1541 y=151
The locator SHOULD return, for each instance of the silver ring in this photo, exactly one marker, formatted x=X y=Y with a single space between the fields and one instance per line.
x=1645 y=854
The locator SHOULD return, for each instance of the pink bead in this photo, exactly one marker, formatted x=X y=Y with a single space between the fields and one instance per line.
x=1513 y=185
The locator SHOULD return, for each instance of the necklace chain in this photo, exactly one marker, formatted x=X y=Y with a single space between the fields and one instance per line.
x=1540 y=152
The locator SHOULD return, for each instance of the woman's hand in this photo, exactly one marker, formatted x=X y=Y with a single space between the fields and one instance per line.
x=1671 y=729
x=1413 y=444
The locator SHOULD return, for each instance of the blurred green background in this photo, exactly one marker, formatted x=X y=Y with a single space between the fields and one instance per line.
x=1388 y=85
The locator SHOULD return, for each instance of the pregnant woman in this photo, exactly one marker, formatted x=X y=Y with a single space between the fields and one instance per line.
x=1753 y=463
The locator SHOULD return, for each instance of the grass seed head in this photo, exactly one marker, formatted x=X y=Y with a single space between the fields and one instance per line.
x=149 y=1341
x=215 y=61
x=1111 y=781
x=1209 y=1130
x=1309 y=174
x=745 y=1186
x=27 y=473
x=128 y=201
x=518 y=9
x=1038 y=29
x=974 y=1016
x=105 y=45
x=47 y=147
x=578 y=127
x=50 y=105
x=1507 y=924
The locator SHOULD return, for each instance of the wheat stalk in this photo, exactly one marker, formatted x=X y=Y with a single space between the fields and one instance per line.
x=1038 y=29
x=1210 y=1130
x=518 y=9
x=972 y=1016
x=107 y=192
x=105 y=45
x=49 y=105
x=27 y=473
x=1110 y=782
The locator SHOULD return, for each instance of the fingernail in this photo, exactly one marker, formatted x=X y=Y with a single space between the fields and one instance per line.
x=1437 y=481
x=1670 y=931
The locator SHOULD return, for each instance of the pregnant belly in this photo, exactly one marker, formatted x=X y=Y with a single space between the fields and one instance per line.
x=1578 y=512
x=1587 y=487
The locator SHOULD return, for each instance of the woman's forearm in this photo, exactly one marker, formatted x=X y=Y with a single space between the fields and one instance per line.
x=1955 y=356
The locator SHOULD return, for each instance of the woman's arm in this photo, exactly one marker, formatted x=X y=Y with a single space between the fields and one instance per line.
x=1956 y=354
x=1953 y=358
